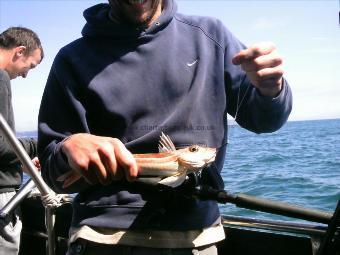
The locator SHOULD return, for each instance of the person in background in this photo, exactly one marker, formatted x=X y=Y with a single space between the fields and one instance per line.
x=20 y=51
x=139 y=69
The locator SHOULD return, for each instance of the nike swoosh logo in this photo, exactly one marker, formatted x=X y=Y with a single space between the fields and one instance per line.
x=193 y=63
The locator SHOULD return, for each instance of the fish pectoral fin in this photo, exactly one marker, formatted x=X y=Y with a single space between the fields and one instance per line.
x=174 y=180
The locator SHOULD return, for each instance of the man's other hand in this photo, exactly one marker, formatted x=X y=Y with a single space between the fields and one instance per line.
x=263 y=66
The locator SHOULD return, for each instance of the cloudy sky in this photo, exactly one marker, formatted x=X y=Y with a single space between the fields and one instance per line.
x=307 y=34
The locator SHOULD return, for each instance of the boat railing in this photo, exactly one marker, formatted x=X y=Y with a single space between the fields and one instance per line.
x=53 y=200
x=300 y=228
x=25 y=190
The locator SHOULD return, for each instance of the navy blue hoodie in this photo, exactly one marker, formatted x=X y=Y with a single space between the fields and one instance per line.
x=132 y=83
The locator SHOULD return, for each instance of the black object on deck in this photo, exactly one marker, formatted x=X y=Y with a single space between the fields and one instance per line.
x=264 y=205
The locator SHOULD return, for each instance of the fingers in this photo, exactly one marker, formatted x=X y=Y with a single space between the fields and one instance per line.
x=253 y=52
x=36 y=163
x=262 y=62
x=117 y=162
x=79 y=162
x=98 y=159
x=69 y=178
x=125 y=159
x=104 y=163
x=267 y=74
x=263 y=66
x=67 y=175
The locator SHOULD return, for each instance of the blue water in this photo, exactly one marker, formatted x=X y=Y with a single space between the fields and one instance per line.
x=299 y=164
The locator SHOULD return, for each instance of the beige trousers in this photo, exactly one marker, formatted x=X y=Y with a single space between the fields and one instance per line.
x=83 y=247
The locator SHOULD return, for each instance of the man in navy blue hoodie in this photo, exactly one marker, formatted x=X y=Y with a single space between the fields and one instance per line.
x=139 y=69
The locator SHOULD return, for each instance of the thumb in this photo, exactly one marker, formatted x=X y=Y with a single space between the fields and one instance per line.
x=236 y=60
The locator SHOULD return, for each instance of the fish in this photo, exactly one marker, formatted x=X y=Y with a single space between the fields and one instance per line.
x=170 y=164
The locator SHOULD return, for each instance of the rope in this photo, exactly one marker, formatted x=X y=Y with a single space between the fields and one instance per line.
x=53 y=200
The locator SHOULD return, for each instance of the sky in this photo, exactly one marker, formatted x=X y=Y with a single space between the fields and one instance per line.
x=306 y=33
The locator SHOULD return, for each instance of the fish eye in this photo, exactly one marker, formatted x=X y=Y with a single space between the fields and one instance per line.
x=193 y=148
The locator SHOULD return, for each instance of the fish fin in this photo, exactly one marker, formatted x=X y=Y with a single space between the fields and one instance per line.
x=165 y=144
x=175 y=180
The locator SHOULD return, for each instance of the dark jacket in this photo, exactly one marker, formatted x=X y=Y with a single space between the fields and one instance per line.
x=129 y=83
x=10 y=166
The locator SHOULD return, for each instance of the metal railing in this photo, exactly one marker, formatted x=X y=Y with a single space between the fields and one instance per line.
x=38 y=181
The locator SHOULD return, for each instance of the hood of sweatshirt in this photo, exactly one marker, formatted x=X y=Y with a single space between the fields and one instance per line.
x=98 y=22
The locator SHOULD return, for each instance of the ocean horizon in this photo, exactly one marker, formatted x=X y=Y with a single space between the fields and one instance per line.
x=232 y=122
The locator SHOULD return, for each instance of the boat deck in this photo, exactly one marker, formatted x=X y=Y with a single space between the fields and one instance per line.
x=243 y=236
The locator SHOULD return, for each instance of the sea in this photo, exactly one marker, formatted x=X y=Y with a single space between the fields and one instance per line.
x=298 y=164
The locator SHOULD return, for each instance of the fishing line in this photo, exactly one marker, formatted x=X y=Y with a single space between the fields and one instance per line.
x=238 y=103
x=238 y=106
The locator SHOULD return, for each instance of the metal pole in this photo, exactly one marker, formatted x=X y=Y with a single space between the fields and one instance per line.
x=24 y=158
x=17 y=198
x=50 y=226
x=39 y=182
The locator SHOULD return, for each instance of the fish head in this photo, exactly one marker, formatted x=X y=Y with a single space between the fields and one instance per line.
x=196 y=157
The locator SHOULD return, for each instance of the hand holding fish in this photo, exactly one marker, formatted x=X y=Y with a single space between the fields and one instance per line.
x=263 y=66
x=98 y=159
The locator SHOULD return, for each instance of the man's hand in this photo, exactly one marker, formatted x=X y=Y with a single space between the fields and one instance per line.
x=35 y=162
x=99 y=159
x=263 y=66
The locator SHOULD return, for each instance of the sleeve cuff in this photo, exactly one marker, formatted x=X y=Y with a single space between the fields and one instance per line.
x=266 y=102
